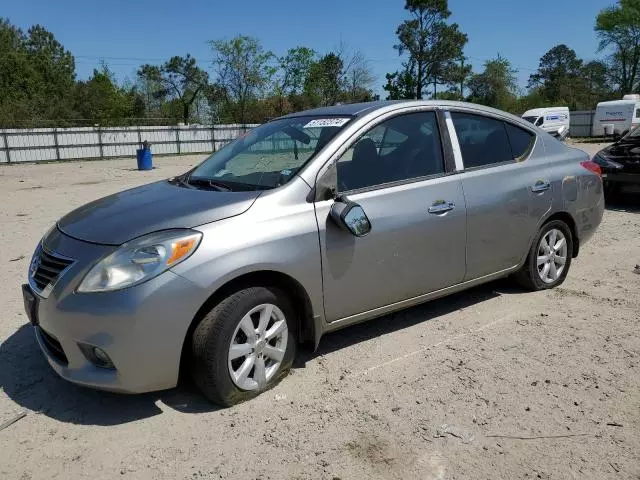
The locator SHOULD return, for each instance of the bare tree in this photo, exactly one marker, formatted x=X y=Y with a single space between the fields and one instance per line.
x=357 y=74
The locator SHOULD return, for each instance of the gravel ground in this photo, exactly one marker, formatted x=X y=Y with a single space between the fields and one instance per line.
x=490 y=383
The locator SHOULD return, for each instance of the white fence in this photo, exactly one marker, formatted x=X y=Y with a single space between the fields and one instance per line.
x=51 y=144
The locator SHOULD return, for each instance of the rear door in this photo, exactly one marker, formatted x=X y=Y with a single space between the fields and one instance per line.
x=395 y=170
x=506 y=195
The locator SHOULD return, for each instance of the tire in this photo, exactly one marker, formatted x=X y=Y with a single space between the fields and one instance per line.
x=211 y=366
x=529 y=276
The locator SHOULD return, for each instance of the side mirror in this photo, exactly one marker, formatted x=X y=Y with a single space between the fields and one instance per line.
x=350 y=217
x=563 y=131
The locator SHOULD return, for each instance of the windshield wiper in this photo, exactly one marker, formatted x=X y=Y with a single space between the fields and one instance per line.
x=207 y=182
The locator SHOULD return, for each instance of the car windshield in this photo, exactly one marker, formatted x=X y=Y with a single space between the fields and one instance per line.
x=267 y=156
x=530 y=119
x=634 y=133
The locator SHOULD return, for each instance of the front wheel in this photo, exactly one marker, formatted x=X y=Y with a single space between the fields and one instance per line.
x=549 y=259
x=244 y=345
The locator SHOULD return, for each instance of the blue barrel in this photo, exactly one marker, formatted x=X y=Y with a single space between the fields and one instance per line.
x=145 y=161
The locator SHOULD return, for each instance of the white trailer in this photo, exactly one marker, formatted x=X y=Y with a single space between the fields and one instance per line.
x=617 y=117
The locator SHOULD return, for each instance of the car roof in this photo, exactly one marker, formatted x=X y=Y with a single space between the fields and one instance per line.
x=361 y=109
x=349 y=109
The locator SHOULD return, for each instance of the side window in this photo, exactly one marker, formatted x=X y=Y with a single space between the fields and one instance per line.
x=483 y=140
x=401 y=148
x=521 y=141
x=540 y=121
x=638 y=113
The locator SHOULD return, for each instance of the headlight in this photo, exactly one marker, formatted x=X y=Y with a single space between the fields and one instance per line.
x=140 y=260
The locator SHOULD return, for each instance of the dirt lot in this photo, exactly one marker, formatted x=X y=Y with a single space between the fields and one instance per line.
x=491 y=383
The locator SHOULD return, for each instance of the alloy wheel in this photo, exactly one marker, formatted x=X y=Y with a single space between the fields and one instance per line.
x=552 y=255
x=258 y=347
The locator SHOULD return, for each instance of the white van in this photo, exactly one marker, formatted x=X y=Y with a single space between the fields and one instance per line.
x=617 y=117
x=549 y=119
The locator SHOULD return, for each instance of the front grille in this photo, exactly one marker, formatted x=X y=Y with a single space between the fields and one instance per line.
x=53 y=346
x=46 y=268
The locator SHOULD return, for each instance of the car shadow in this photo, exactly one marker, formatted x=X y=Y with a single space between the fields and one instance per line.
x=624 y=202
x=28 y=380
x=407 y=318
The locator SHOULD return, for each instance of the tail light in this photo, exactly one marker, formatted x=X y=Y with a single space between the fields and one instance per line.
x=592 y=167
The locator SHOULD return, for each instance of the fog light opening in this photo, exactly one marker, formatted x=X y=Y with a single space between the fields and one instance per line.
x=96 y=356
x=102 y=357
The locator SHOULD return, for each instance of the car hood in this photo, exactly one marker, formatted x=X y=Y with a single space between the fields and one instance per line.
x=625 y=147
x=626 y=153
x=115 y=219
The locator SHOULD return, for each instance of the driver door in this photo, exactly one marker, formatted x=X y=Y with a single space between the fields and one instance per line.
x=396 y=173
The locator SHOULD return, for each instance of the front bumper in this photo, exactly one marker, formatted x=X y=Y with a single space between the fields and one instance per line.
x=141 y=328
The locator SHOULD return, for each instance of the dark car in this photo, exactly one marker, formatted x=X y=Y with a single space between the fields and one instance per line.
x=620 y=163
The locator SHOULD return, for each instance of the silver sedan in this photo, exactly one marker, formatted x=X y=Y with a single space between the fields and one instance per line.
x=307 y=224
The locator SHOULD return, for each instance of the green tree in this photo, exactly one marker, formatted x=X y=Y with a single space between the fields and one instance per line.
x=16 y=76
x=54 y=69
x=293 y=70
x=495 y=86
x=618 y=28
x=432 y=45
x=559 y=77
x=401 y=85
x=325 y=81
x=102 y=100
x=179 y=79
x=244 y=69
x=595 y=76
x=459 y=74
x=37 y=76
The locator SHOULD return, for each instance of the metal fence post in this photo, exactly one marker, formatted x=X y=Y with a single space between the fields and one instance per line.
x=213 y=137
x=55 y=142
x=100 y=142
x=6 y=145
x=592 y=115
x=139 y=137
x=178 y=138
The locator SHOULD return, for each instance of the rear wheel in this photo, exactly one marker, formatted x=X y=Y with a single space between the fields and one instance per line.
x=244 y=345
x=549 y=259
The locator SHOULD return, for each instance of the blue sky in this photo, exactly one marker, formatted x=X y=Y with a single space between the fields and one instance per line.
x=128 y=33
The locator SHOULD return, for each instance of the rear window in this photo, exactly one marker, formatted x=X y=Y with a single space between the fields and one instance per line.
x=521 y=141
x=483 y=140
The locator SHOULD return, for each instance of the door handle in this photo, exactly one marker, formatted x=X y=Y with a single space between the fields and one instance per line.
x=441 y=207
x=541 y=186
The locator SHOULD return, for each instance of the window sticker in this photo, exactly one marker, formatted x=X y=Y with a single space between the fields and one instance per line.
x=326 y=122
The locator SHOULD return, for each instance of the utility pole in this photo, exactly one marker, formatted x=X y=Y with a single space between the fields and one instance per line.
x=462 y=77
